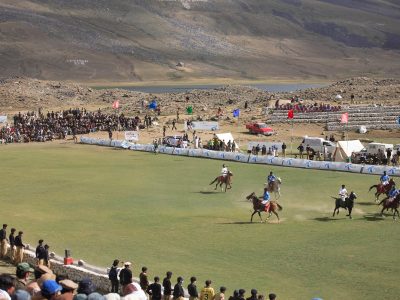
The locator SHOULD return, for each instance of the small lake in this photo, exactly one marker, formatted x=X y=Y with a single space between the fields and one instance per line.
x=275 y=88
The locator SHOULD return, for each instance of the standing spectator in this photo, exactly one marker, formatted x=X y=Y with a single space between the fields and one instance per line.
x=40 y=253
x=177 y=113
x=3 y=238
x=144 y=281
x=272 y=296
x=207 y=292
x=19 y=256
x=246 y=104
x=192 y=289
x=253 y=295
x=46 y=256
x=235 y=295
x=178 y=293
x=110 y=134
x=233 y=146
x=388 y=155
x=164 y=130
x=301 y=150
x=173 y=124
x=113 y=276
x=308 y=151
x=284 y=149
x=11 y=239
x=7 y=286
x=241 y=294
x=167 y=286
x=263 y=150
x=125 y=276
x=154 y=289
x=221 y=294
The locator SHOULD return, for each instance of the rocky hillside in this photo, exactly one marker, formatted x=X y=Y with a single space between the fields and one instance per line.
x=100 y=40
x=22 y=94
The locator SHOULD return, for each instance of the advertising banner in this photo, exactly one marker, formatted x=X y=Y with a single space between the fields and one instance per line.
x=132 y=136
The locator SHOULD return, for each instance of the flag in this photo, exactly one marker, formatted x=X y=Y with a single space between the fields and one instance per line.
x=290 y=114
x=115 y=104
x=236 y=113
x=189 y=110
x=153 y=104
x=344 y=118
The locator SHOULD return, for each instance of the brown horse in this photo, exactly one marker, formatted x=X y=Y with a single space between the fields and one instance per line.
x=382 y=189
x=227 y=180
x=394 y=205
x=259 y=207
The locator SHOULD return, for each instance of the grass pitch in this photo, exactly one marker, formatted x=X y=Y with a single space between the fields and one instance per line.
x=159 y=211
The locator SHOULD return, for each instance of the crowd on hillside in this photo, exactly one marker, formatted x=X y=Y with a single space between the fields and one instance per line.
x=39 y=282
x=41 y=127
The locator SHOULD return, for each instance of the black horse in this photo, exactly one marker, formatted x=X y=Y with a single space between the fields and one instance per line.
x=347 y=204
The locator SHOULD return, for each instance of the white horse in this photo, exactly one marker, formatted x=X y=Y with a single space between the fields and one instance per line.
x=275 y=188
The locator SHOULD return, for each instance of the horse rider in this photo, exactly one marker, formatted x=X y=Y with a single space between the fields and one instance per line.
x=385 y=179
x=343 y=193
x=224 y=171
x=265 y=199
x=271 y=179
x=393 y=193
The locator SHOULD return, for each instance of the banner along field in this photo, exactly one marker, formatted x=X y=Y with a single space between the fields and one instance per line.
x=159 y=211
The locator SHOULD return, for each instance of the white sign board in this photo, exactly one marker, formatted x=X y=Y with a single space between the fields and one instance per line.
x=131 y=136
x=3 y=119
x=212 y=126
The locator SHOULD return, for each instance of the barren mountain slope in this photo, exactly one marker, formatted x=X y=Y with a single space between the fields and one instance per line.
x=121 y=40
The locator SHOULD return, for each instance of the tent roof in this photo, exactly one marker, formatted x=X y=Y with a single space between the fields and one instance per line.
x=226 y=137
x=349 y=147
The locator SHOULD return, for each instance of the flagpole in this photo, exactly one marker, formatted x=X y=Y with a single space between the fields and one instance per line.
x=291 y=140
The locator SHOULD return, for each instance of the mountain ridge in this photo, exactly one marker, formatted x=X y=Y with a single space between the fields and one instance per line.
x=145 y=40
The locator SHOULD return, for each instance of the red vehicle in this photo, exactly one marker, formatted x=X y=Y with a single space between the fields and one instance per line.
x=260 y=128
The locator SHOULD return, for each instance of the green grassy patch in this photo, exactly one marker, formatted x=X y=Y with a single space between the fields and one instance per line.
x=159 y=211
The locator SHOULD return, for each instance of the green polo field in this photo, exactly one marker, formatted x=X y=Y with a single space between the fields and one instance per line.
x=159 y=211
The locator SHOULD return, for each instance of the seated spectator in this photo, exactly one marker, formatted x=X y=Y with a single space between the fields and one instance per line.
x=7 y=286
x=51 y=289
x=86 y=286
x=23 y=273
x=68 y=289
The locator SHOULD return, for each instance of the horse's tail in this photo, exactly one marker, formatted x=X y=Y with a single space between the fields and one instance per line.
x=374 y=186
x=214 y=181
x=279 y=206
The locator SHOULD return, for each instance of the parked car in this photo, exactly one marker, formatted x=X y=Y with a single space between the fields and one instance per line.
x=260 y=128
x=318 y=144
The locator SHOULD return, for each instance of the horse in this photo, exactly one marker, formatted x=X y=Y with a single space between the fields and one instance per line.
x=382 y=189
x=348 y=204
x=394 y=205
x=258 y=207
x=275 y=187
x=223 y=179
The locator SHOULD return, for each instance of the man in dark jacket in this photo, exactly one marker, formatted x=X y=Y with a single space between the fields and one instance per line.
x=11 y=239
x=178 y=293
x=19 y=256
x=125 y=276
x=167 y=286
x=3 y=239
x=154 y=289
x=40 y=253
x=144 y=281
x=192 y=289
x=113 y=276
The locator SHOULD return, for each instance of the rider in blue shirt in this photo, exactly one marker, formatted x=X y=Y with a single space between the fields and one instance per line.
x=393 y=193
x=385 y=178
x=271 y=178
x=266 y=197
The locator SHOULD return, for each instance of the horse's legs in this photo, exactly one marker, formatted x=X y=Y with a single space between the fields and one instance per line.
x=276 y=214
x=251 y=219
x=259 y=214
x=382 y=211
x=349 y=214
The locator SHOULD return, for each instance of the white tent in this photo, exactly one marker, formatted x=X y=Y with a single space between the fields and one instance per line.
x=226 y=137
x=344 y=149
x=338 y=97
